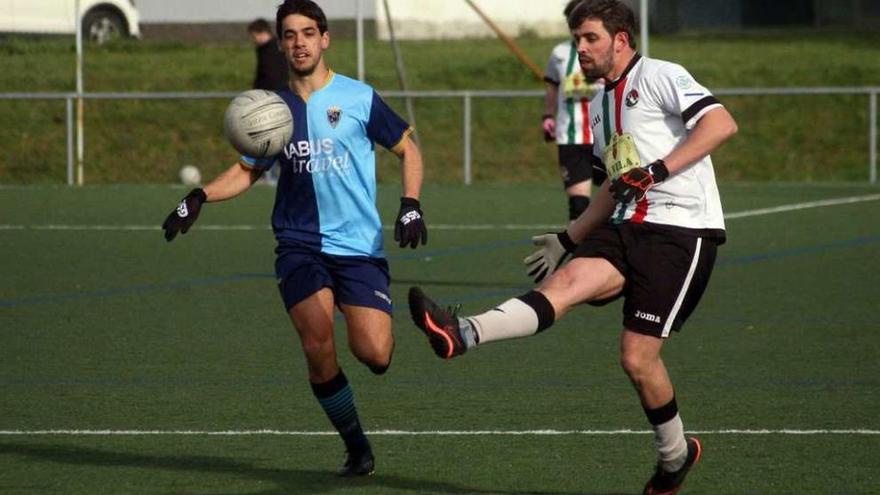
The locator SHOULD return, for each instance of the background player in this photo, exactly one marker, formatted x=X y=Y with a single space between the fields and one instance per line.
x=329 y=236
x=271 y=72
x=649 y=237
x=566 y=114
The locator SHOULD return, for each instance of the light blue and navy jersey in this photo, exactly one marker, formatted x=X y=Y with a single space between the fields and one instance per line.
x=326 y=197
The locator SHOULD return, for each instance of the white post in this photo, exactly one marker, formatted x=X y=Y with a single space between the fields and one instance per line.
x=70 y=177
x=872 y=137
x=80 y=179
x=467 y=139
x=643 y=21
x=360 y=38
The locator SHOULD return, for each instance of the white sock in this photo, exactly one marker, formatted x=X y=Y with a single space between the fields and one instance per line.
x=671 y=444
x=509 y=320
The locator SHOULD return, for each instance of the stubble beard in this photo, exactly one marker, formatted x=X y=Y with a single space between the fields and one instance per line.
x=308 y=71
x=600 y=68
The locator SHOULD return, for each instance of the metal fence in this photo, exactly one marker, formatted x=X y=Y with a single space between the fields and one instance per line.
x=467 y=98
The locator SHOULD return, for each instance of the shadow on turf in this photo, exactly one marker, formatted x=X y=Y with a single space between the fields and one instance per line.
x=287 y=481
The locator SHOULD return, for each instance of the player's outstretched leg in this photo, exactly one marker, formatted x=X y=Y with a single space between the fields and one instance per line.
x=440 y=325
x=665 y=483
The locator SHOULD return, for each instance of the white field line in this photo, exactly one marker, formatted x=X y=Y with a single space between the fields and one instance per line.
x=438 y=433
x=458 y=227
x=803 y=206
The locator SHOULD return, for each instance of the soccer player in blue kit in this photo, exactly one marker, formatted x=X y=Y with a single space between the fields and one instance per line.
x=329 y=235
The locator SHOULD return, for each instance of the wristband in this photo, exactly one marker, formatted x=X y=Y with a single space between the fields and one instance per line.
x=407 y=201
x=199 y=193
x=659 y=171
x=566 y=241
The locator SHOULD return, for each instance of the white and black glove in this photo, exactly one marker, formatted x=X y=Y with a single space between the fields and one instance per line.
x=186 y=213
x=410 y=227
x=554 y=248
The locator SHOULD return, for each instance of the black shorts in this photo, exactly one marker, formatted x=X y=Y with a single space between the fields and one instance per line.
x=575 y=163
x=666 y=271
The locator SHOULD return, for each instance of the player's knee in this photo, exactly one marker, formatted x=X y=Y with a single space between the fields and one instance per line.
x=635 y=365
x=316 y=348
x=377 y=360
x=378 y=365
x=379 y=370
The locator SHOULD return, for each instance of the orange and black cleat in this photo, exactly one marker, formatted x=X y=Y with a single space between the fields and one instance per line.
x=440 y=325
x=665 y=483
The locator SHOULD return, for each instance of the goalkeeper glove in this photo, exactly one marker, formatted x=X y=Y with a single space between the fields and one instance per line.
x=635 y=183
x=554 y=249
x=410 y=226
x=186 y=213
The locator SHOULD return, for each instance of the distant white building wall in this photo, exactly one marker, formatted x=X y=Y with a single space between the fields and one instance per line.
x=218 y=11
x=446 y=19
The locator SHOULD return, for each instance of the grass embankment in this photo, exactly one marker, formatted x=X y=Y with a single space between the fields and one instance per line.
x=781 y=137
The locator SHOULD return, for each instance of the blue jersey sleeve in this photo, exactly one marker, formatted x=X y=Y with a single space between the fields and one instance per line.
x=384 y=126
x=258 y=163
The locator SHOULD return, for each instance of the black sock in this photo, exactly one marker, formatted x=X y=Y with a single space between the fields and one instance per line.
x=337 y=400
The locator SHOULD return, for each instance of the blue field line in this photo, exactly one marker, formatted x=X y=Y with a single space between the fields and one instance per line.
x=432 y=253
x=414 y=256
x=134 y=289
x=847 y=243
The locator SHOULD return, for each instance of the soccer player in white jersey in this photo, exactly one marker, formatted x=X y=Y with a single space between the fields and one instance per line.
x=327 y=228
x=566 y=122
x=649 y=236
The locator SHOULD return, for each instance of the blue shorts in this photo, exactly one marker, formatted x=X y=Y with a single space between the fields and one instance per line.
x=354 y=280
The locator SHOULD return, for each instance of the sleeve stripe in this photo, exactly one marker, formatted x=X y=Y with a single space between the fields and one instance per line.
x=548 y=79
x=694 y=109
x=398 y=148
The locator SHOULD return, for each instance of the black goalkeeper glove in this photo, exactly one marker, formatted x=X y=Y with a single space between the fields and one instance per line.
x=410 y=226
x=186 y=213
x=635 y=183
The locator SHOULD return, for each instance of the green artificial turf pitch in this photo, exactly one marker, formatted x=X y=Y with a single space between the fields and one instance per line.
x=108 y=332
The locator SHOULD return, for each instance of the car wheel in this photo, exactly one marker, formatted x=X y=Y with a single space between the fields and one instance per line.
x=101 y=26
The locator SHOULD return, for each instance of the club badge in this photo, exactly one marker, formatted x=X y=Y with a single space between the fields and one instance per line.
x=333 y=115
x=632 y=99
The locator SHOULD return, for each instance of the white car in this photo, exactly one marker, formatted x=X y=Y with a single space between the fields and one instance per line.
x=102 y=20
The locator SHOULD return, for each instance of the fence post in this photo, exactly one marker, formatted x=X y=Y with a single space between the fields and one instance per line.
x=467 y=138
x=872 y=137
x=69 y=101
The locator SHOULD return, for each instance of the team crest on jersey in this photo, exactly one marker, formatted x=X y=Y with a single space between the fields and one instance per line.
x=333 y=115
x=632 y=99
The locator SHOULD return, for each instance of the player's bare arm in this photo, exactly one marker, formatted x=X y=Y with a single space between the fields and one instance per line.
x=551 y=97
x=410 y=228
x=411 y=167
x=711 y=131
x=229 y=184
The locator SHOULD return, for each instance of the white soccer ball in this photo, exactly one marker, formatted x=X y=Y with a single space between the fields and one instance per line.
x=190 y=175
x=258 y=123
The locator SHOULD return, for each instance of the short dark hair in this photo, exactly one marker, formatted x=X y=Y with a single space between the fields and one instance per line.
x=615 y=15
x=306 y=8
x=569 y=7
x=259 y=26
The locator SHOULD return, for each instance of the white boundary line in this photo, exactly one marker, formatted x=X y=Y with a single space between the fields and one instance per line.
x=476 y=227
x=438 y=433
